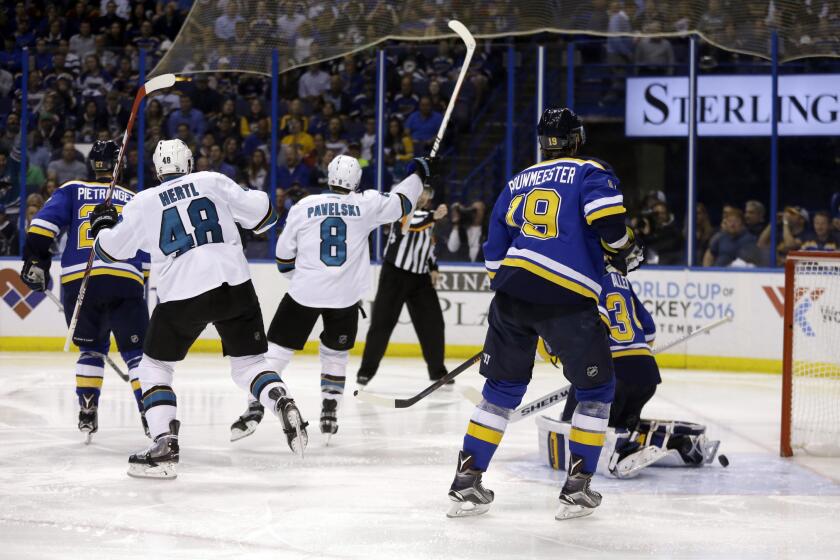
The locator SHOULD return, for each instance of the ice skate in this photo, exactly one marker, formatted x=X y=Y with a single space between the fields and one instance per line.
x=576 y=498
x=468 y=495
x=329 y=418
x=293 y=425
x=160 y=459
x=247 y=424
x=630 y=460
x=88 y=420
x=363 y=380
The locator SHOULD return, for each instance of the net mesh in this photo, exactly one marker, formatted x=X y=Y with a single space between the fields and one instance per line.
x=240 y=36
x=815 y=410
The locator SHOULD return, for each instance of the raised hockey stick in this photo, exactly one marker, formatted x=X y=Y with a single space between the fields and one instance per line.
x=391 y=402
x=560 y=395
x=469 y=42
x=105 y=357
x=157 y=83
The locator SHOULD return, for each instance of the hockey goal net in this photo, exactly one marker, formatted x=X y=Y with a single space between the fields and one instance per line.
x=811 y=359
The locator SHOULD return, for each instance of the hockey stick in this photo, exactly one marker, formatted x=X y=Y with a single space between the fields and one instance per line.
x=391 y=402
x=157 y=83
x=560 y=395
x=105 y=357
x=469 y=41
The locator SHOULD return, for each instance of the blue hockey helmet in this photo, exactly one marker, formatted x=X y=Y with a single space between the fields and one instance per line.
x=560 y=129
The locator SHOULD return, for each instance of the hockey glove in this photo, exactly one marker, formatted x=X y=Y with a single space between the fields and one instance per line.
x=36 y=274
x=104 y=216
x=626 y=258
x=427 y=168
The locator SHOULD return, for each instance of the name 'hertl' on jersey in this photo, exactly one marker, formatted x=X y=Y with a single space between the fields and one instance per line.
x=188 y=226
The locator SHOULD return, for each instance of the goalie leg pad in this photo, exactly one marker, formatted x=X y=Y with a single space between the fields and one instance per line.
x=685 y=443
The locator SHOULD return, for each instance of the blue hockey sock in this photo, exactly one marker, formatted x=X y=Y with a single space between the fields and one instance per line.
x=132 y=360
x=589 y=424
x=90 y=369
x=489 y=420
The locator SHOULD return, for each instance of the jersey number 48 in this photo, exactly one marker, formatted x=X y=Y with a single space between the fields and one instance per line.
x=206 y=229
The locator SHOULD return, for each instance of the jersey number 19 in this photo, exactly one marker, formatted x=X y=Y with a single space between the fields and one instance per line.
x=204 y=219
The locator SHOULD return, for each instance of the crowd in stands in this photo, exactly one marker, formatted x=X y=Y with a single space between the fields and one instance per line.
x=84 y=64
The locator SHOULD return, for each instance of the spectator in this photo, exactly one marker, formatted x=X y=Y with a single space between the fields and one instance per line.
x=654 y=54
x=399 y=146
x=754 y=217
x=835 y=212
x=303 y=44
x=146 y=41
x=204 y=98
x=313 y=83
x=9 y=180
x=294 y=171
x=259 y=139
x=11 y=135
x=217 y=163
x=336 y=139
x=233 y=155
x=439 y=102
x=9 y=240
x=793 y=221
x=154 y=113
x=169 y=23
x=733 y=245
x=82 y=44
x=822 y=238
x=204 y=146
x=467 y=233
x=110 y=17
x=406 y=101
x=257 y=173
x=68 y=168
x=189 y=116
x=183 y=134
x=289 y=22
x=116 y=114
x=423 y=124
x=663 y=241
x=335 y=95
x=368 y=140
x=225 y=26
x=704 y=231
x=93 y=81
x=298 y=137
x=320 y=121
x=248 y=123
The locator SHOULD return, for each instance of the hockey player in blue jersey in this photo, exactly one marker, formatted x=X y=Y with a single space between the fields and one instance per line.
x=550 y=228
x=115 y=300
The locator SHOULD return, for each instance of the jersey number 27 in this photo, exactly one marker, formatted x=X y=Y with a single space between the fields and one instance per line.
x=204 y=219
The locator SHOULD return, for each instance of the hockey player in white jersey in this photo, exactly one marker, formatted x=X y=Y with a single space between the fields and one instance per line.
x=324 y=251
x=188 y=225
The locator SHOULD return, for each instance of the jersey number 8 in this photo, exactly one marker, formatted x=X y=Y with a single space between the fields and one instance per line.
x=539 y=216
x=333 y=242
x=204 y=219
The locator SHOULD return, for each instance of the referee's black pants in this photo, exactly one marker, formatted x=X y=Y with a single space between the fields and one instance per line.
x=398 y=287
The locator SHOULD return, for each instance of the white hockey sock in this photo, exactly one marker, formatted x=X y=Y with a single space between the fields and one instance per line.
x=159 y=400
x=255 y=375
x=333 y=368
x=278 y=357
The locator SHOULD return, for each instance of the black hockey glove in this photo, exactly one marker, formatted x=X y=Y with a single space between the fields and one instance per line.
x=36 y=274
x=427 y=168
x=626 y=258
x=103 y=217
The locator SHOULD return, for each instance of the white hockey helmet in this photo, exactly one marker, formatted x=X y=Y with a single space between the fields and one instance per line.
x=344 y=172
x=172 y=157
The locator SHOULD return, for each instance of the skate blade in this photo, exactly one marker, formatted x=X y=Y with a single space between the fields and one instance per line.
x=301 y=439
x=236 y=434
x=632 y=465
x=327 y=440
x=161 y=470
x=565 y=512
x=466 y=509
x=88 y=438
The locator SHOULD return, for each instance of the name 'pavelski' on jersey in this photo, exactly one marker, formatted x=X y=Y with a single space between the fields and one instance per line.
x=333 y=209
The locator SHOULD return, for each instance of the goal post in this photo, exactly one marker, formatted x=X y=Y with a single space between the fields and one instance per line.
x=811 y=354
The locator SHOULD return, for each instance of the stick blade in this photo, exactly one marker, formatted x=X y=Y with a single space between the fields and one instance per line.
x=377 y=400
x=462 y=32
x=160 y=82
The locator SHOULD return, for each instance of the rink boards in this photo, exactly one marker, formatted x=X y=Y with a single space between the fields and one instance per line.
x=680 y=301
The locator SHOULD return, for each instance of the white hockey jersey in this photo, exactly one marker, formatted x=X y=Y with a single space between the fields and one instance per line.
x=324 y=246
x=188 y=226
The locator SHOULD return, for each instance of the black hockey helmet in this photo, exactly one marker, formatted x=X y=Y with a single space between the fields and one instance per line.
x=103 y=155
x=560 y=129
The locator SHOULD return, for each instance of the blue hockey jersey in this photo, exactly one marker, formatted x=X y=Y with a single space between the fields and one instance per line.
x=542 y=242
x=68 y=210
x=632 y=329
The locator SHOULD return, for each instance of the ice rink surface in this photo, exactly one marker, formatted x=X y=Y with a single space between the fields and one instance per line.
x=379 y=489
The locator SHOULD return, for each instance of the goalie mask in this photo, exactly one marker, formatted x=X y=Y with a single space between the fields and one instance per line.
x=344 y=173
x=172 y=157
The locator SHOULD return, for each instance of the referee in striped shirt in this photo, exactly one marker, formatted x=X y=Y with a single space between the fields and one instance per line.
x=408 y=276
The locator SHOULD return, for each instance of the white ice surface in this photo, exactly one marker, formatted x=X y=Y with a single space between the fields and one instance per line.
x=379 y=489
